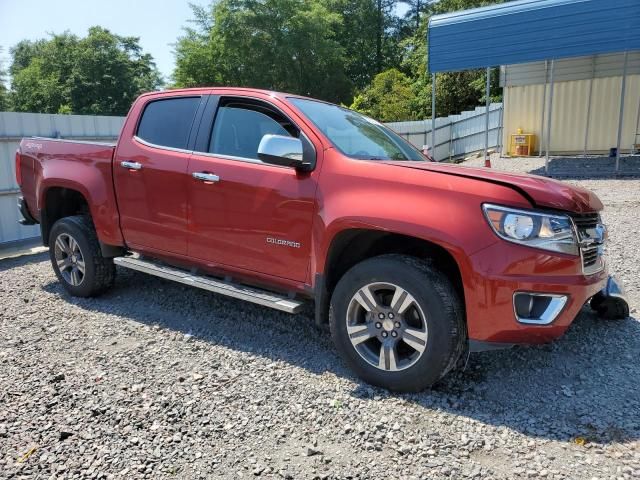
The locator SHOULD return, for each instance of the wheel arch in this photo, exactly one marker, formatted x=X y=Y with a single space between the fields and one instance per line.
x=59 y=201
x=353 y=245
x=93 y=182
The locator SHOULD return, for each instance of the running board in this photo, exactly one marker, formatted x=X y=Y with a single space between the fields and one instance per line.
x=242 y=292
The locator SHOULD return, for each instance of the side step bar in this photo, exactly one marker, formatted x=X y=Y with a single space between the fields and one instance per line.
x=249 y=294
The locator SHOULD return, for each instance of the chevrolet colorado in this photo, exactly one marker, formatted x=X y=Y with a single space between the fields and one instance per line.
x=279 y=199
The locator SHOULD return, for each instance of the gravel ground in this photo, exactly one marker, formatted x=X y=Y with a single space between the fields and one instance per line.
x=157 y=380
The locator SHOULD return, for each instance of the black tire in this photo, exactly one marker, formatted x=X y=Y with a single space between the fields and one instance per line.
x=99 y=272
x=444 y=324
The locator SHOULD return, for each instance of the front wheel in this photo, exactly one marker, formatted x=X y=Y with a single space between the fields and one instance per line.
x=397 y=322
x=77 y=259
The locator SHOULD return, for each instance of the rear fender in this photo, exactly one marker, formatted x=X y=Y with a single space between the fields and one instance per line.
x=93 y=180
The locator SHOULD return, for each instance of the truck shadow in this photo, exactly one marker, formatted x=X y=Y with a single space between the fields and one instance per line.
x=583 y=385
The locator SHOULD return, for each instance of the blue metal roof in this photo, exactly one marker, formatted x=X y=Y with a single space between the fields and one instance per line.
x=532 y=30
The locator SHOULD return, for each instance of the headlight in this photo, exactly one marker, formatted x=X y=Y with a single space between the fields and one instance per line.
x=534 y=229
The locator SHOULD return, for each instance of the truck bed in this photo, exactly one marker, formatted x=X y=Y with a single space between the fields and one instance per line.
x=79 y=165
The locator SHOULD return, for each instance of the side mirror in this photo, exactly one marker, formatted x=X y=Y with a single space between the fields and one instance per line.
x=284 y=151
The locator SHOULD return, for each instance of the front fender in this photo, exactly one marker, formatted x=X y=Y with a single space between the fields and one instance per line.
x=440 y=209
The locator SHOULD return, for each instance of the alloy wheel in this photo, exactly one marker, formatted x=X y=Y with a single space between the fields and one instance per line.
x=386 y=326
x=69 y=259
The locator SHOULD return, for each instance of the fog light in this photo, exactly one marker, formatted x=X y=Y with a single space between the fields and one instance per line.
x=538 y=308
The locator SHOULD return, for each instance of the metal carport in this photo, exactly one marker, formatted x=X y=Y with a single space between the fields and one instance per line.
x=532 y=30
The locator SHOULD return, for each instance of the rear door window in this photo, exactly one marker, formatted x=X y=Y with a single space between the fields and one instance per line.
x=167 y=122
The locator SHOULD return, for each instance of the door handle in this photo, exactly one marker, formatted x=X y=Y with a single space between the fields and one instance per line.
x=131 y=165
x=205 y=177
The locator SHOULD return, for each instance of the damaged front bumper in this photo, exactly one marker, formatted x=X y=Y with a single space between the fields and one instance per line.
x=611 y=302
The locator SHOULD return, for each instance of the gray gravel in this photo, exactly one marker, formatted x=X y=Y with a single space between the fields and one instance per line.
x=157 y=380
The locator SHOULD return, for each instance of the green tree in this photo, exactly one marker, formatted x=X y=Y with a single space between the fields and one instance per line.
x=325 y=49
x=22 y=53
x=99 y=74
x=288 y=45
x=349 y=51
x=455 y=91
x=4 y=101
x=458 y=91
x=416 y=7
x=390 y=97
x=383 y=23
x=357 y=33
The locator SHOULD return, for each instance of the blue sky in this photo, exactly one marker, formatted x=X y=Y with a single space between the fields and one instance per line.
x=158 y=23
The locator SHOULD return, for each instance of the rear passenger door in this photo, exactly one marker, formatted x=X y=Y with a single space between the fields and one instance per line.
x=150 y=174
x=249 y=216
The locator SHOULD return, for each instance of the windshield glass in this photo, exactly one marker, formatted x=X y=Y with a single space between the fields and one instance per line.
x=356 y=135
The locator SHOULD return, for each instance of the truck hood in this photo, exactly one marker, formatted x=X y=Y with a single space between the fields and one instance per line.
x=540 y=191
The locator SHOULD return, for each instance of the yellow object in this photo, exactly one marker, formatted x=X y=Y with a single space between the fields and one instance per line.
x=27 y=455
x=522 y=144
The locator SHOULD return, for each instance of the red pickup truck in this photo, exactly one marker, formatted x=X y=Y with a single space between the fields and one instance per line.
x=280 y=200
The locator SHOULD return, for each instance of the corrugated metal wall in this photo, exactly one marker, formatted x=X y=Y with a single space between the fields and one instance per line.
x=524 y=95
x=581 y=68
x=456 y=135
x=14 y=126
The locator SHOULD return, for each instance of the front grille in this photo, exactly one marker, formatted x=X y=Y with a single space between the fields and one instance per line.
x=590 y=256
x=591 y=238
x=585 y=220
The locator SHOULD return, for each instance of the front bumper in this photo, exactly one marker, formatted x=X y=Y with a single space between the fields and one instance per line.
x=609 y=303
x=503 y=270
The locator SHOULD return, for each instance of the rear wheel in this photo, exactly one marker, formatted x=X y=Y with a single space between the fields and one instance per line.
x=397 y=322
x=77 y=259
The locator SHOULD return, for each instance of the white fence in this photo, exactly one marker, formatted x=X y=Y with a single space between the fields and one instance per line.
x=456 y=135
x=14 y=126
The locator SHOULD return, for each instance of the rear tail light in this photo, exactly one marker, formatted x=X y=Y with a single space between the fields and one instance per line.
x=18 y=169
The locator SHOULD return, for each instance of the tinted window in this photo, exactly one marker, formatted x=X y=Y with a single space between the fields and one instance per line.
x=168 y=122
x=237 y=131
x=356 y=135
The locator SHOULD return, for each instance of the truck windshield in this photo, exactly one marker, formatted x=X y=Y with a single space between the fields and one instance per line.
x=355 y=135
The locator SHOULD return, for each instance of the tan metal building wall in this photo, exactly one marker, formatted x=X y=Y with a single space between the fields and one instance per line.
x=524 y=96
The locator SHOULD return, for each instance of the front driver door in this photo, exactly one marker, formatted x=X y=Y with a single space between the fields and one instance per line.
x=248 y=215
